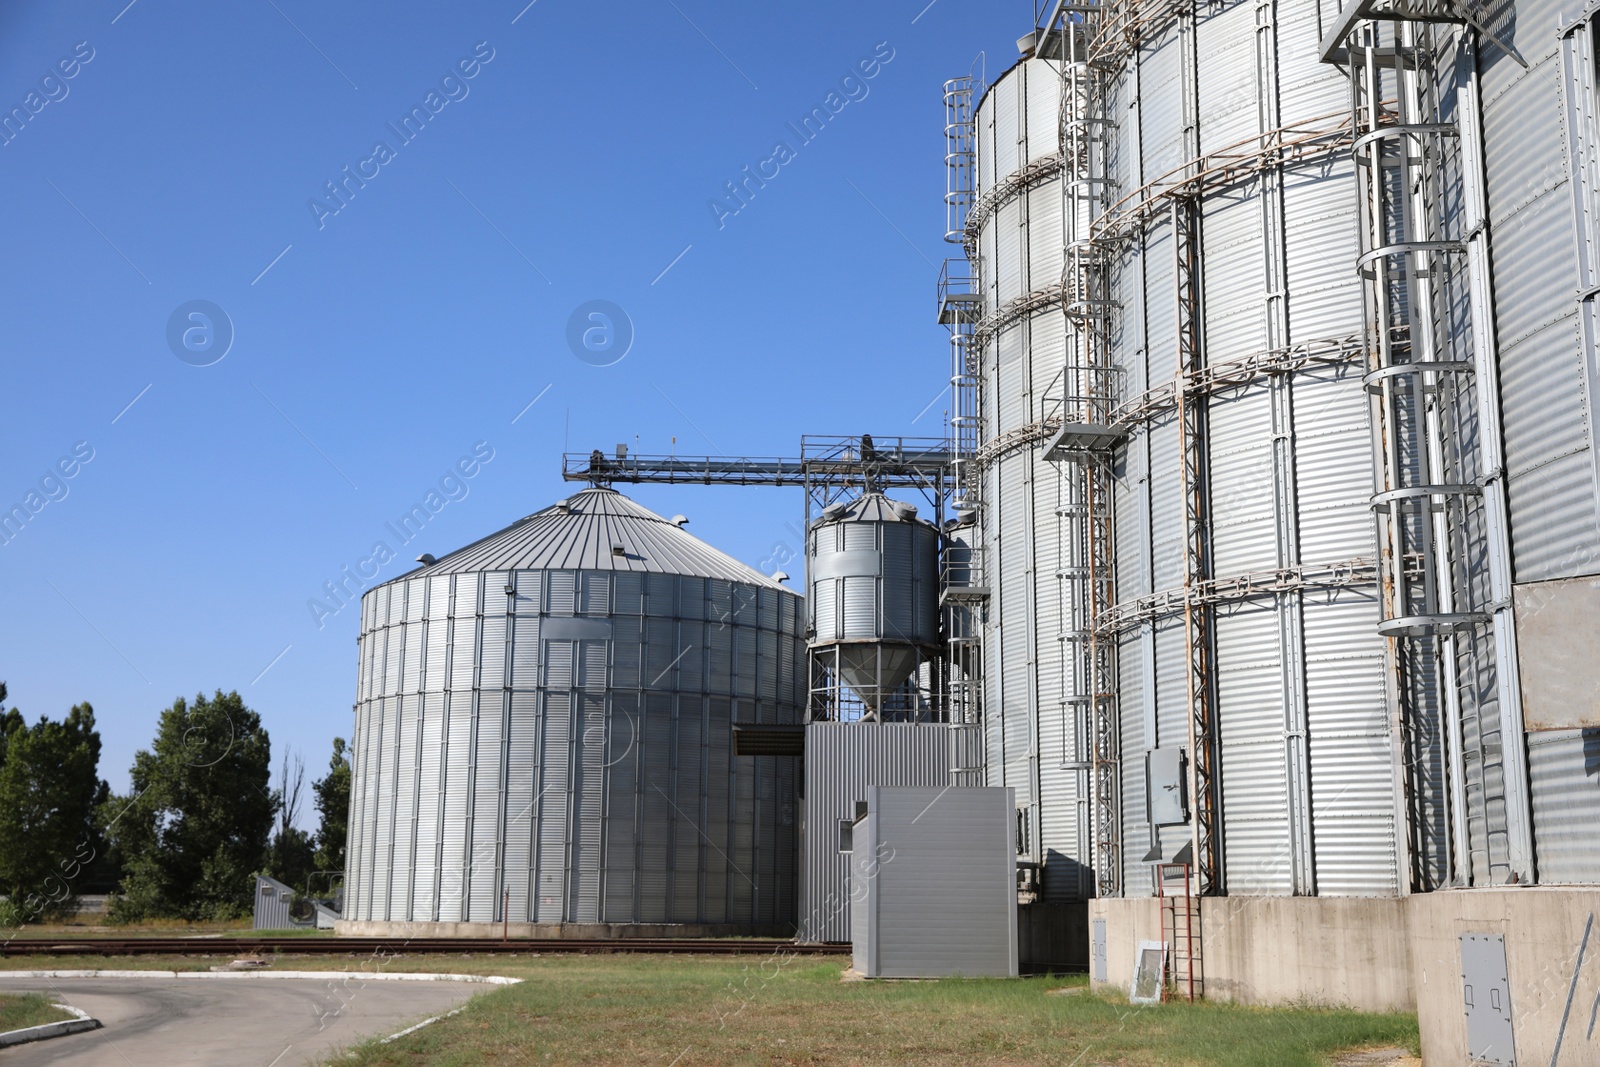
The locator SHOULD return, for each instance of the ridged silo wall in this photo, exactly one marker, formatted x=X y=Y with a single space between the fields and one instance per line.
x=1032 y=737
x=1546 y=321
x=570 y=745
x=1307 y=796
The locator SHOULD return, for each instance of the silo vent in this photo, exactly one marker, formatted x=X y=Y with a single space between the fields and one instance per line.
x=904 y=511
x=564 y=506
x=617 y=549
x=680 y=520
x=780 y=576
x=427 y=559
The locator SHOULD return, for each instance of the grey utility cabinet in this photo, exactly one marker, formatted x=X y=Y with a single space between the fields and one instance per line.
x=933 y=883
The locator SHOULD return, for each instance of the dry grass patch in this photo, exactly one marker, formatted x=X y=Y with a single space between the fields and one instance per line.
x=21 y=1010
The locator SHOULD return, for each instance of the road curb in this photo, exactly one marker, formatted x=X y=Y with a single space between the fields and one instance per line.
x=42 y=1033
x=394 y=976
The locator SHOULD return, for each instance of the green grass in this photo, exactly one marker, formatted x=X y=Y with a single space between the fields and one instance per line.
x=625 y=1009
x=21 y=1010
x=771 y=1010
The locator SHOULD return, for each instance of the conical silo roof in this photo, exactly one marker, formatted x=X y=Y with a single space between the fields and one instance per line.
x=584 y=531
x=868 y=507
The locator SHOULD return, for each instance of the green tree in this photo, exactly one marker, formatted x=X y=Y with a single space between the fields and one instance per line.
x=333 y=804
x=10 y=719
x=201 y=814
x=48 y=790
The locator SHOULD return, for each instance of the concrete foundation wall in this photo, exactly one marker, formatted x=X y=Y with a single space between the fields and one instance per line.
x=1543 y=929
x=575 y=931
x=1396 y=954
x=1274 y=950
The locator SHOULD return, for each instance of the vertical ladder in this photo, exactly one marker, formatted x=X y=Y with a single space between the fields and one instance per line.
x=1180 y=929
x=1087 y=437
x=1431 y=376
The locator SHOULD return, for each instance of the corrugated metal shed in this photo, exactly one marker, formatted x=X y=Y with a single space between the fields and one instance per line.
x=934 y=884
x=273 y=906
x=842 y=760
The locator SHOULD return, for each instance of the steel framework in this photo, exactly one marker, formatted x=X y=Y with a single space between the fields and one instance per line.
x=830 y=469
x=965 y=596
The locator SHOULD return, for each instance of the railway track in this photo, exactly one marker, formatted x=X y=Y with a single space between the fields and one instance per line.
x=394 y=946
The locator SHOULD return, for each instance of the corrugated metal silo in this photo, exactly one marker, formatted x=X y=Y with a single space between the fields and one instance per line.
x=1245 y=583
x=1172 y=206
x=872 y=571
x=543 y=719
x=1016 y=237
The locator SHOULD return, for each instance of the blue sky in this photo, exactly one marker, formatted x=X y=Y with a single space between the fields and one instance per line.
x=172 y=152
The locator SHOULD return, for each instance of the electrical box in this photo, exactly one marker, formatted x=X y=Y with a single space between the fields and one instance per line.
x=1166 y=796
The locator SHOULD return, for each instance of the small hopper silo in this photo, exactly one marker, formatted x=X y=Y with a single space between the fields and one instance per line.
x=872 y=572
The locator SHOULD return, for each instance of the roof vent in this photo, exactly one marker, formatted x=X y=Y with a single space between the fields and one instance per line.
x=1028 y=43
x=832 y=511
x=617 y=549
x=680 y=520
x=780 y=576
x=426 y=559
x=564 y=506
x=905 y=512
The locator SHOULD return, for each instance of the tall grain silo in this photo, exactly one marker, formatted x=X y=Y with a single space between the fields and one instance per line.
x=872 y=572
x=1244 y=622
x=1177 y=471
x=543 y=734
x=1018 y=343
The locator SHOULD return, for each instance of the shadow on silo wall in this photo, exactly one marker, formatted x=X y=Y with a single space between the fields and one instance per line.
x=1053 y=937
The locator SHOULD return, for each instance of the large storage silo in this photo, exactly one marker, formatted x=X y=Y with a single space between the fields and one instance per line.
x=543 y=721
x=1229 y=180
x=1152 y=222
x=1015 y=238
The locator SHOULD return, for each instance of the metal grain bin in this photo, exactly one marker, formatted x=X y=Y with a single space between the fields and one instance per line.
x=543 y=732
x=1264 y=464
x=872 y=571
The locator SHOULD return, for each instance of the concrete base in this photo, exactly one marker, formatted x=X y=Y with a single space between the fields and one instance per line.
x=1275 y=950
x=571 y=931
x=1395 y=954
x=1053 y=937
x=1544 y=928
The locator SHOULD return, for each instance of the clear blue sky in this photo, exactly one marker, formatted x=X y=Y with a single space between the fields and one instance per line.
x=375 y=345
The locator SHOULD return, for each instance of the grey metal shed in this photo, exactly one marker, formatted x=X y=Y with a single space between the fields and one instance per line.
x=933 y=883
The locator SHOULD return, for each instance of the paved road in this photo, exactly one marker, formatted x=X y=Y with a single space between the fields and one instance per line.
x=167 y=1022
